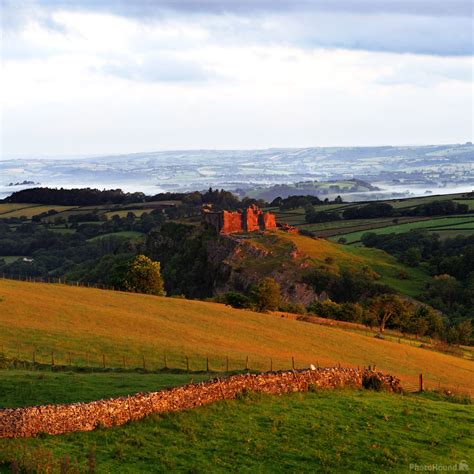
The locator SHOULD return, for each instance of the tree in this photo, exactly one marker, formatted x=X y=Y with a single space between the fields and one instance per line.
x=445 y=289
x=325 y=309
x=426 y=320
x=266 y=295
x=144 y=276
x=234 y=299
x=412 y=257
x=387 y=308
x=464 y=329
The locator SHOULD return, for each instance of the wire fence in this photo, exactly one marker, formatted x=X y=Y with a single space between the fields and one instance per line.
x=29 y=357
x=23 y=358
x=57 y=281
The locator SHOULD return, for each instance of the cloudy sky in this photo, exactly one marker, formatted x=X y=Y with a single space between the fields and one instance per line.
x=95 y=77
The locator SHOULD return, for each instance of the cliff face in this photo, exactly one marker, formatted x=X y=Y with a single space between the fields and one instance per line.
x=243 y=262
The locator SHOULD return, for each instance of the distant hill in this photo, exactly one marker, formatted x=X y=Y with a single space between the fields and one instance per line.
x=321 y=189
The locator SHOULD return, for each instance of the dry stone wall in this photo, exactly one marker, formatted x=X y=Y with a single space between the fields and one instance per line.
x=59 y=419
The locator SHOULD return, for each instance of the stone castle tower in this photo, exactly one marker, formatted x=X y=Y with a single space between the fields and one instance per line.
x=232 y=222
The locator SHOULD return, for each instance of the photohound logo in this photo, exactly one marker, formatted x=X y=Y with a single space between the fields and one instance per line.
x=461 y=466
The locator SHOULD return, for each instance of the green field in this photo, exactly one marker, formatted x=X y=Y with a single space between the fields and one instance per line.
x=11 y=258
x=342 y=227
x=61 y=230
x=296 y=217
x=326 y=431
x=437 y=225
x=33 y=387
x=412 y=202
x=131 y=234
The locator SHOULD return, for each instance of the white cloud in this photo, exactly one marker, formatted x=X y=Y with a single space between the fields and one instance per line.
x=105 y=83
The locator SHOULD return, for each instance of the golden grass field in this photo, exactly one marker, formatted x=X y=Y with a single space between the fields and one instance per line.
x=88 y=323
x=13 y=206
x=28 y=210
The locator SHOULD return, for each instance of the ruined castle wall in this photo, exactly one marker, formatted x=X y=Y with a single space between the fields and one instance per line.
x=59 y=419
x=231 y=223
x=251 y=219
x=268 y=221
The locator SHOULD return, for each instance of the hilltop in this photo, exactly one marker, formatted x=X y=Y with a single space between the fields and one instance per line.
x=85 y=324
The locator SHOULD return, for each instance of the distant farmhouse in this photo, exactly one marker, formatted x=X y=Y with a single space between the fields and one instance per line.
x=233 y=222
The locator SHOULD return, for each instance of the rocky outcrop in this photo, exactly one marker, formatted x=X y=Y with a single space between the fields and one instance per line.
x=243 y=262
x=59 y=419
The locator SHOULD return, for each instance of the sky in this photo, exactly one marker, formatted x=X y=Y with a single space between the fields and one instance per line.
x=98 y=77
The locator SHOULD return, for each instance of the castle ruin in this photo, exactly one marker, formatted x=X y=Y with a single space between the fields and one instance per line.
x=233 y=222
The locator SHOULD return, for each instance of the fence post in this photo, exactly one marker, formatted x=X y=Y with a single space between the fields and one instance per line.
x=123 y=360
x=103 y=361
x=207 y=364
x=247 y=363
x=421 y=382
x=227 y=364
x=144 y=362
x=271 y=364
x=187 y=363
x=293 y=362
x=34 y=357
x=166 y=363
x=52 y=358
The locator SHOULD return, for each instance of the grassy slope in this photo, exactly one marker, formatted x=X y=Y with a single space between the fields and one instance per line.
x=343 y=255
x=333 y=431
x=87 y=321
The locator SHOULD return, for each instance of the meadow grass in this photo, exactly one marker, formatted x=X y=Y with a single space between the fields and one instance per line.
x=6 y=207
x=389 y=268
x=33 y=387
x=357 y=257
x=324 y=431
x=85 y=323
